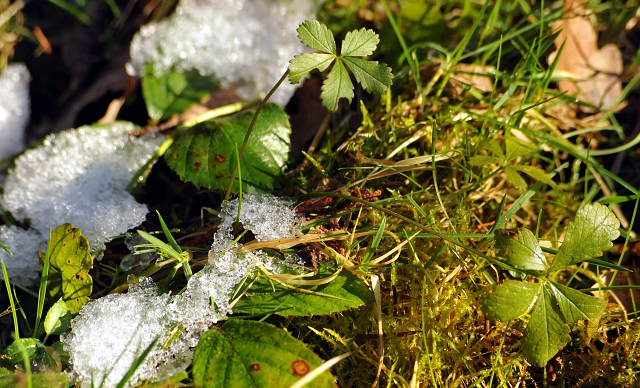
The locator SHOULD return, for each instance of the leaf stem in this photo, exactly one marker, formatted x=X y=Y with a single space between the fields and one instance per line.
x=253 y=122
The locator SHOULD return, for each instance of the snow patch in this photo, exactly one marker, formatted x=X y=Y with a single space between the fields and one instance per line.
x=14 y=109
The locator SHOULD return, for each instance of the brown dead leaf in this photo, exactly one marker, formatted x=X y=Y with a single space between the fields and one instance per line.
x=593 y=74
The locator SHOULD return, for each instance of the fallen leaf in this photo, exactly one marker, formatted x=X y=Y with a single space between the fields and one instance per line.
x=593 y=74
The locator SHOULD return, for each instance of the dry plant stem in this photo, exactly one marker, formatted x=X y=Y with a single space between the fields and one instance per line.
x=246 y=138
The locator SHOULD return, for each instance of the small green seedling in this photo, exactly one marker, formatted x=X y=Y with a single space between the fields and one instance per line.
x=553 y=306
x=373 y=76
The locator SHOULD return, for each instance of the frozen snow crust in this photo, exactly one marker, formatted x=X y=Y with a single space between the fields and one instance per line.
x=246 y=44
x=111 y=332
x=24 y=266
x=14 y=108
x=79 y=176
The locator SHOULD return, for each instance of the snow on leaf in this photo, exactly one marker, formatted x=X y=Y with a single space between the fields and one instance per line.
x=509 y=300
x=524 y=252
x=317 y=36
x=360 y=43
x=304 y=63
x=546 y=332
x=576 y=306
x=373 y=76
x=590 y=233
x=336 y=86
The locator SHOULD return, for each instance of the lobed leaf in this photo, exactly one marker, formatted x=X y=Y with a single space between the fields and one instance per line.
x=359 y=43
x=576 y=306
x=590 y=233
x=373 y=76
x=302 y=64
x=509 y=300
x=317 y=36
x=337 y=85
x=515 y=179
x=483 y=160
x=546 y=332
x=517 y=147
x=536 y=173
x=524 y=252
x=253 y=354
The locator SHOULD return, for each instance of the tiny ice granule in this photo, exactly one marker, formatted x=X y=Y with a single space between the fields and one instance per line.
x=23 y=267
x=79 y=176
x=244 y=44
x=14 y=109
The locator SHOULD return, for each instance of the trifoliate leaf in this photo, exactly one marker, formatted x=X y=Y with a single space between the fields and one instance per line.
x=302 y=64
x=590 y=233
x=518 y=147
x=546 y=332
x=524 y=252
x=245 y=353
x=317 y=36
x=336 y=86
x=509 y=300
x=373 y=76
x=70 y=264
x=360 y=43
x=576 y=306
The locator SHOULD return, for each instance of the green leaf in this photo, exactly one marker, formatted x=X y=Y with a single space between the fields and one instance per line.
x=70 y=264
x=246 y=354
x=546 y=332
x=13 y=354
x=576 y=306
x=590 y=233
x=58 y=319
x=482 y=160
x=5 y=248
x=509 y=300
x=288 y=302
x=337 y=85
x=317 y=36
x=38 y=380
x=373 y=76
x=173 y=92
x=302 y=64
x=517 y=147
x=515 y=179
x=524 y=252
x=359 y=43
x=495 y=148
x=536 y=173
x=205 y=154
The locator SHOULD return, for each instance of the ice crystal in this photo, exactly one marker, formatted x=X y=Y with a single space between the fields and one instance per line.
x=79 y=176
x=14 y=109
x=23 y=267
x=246 y=44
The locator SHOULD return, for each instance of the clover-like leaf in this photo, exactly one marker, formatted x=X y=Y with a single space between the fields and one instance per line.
x=509 y=300
x=317 y=36
x=524 y=252
x=373 y=76
x=590 y=233
x=576 y=306
x=360 y=43
x=336 y=86
x=516 y=180
x=518 y=146
x=546 y=332
x=304 y=63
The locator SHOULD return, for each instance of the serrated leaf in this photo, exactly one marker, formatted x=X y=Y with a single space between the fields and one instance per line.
x=524 y=252
x=317 y=36
x=590 y=233
x=288 y=302
x=253 y=354
x=58 y=319
x=546 y=332
x=495 y=148
x=576 y=306
x=70 y=264
x=515 y=179
x=360 y=43
x=482 y=160
x=337 y=85
x=509 y=300
x=373 y=76
x=536 y=173
x=302 y=64
x=173 y=92
x=517 y=147
x=206 y=153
